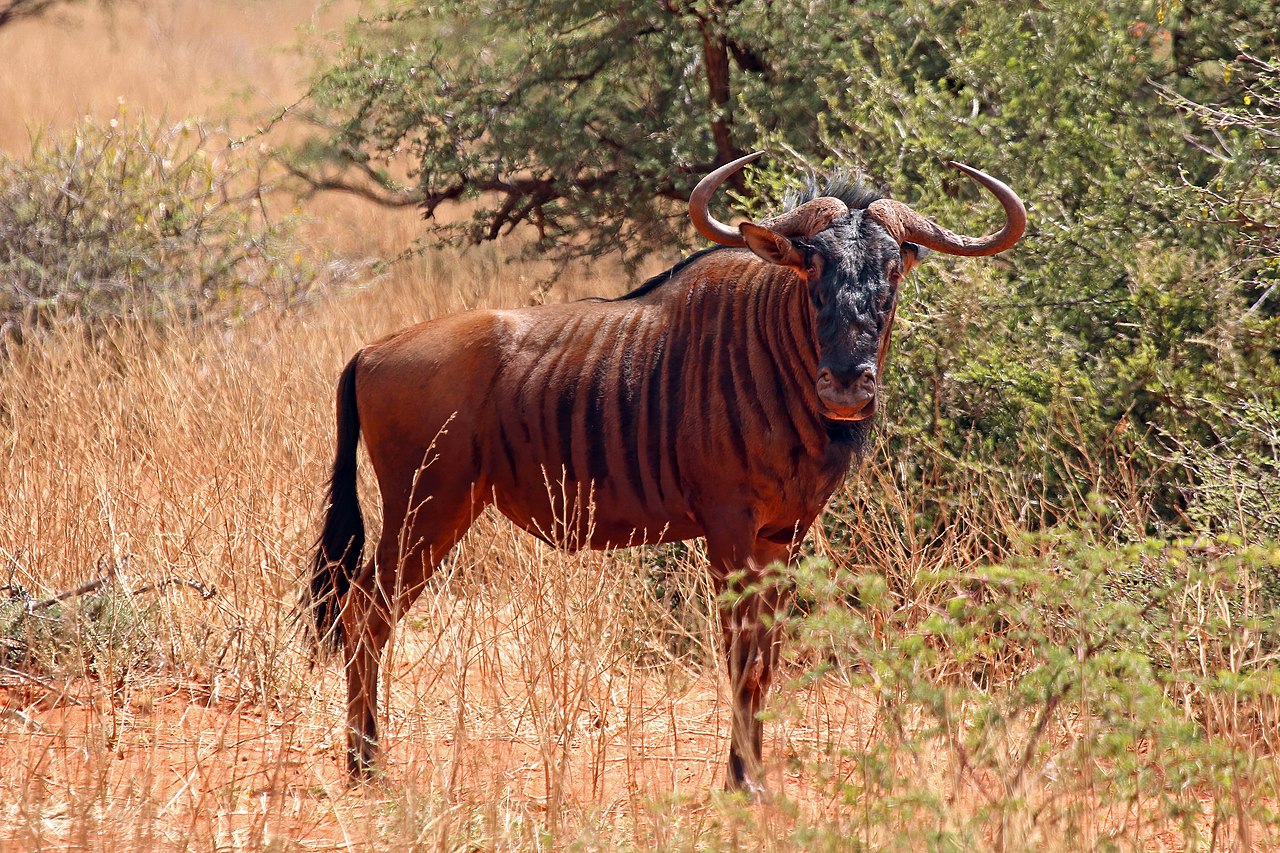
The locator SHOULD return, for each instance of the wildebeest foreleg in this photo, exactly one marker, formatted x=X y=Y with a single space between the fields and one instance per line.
x=756 y=588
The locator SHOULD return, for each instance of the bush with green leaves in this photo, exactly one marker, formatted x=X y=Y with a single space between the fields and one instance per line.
x=1078 y=696
x=105 y=633
x=1122 y=325
x=140 y=219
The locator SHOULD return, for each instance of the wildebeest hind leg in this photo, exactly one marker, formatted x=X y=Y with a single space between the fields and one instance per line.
x=413 y=543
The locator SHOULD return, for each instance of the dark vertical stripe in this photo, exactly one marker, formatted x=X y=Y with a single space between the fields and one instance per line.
x=508 y=449
x=674 y=394
x=626 y=403
x=767 y=391
x=595 y=423
x=735 y=338
x=564 y=425
x=561 y=384
x=651 y=406
x=712 y=344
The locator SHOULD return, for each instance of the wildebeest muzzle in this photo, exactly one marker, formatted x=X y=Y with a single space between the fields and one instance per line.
x=848 y=394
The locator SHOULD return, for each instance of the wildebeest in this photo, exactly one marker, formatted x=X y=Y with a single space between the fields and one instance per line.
x=724 y=398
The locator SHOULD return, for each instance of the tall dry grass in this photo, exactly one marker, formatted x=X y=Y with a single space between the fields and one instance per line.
x=174 y=58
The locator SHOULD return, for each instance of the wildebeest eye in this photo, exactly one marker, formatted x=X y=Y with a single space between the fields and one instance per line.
x=893 y=271
x=814 y=261
x=893 y=274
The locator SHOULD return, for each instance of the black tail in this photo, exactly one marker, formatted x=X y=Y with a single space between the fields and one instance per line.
x=342 y=539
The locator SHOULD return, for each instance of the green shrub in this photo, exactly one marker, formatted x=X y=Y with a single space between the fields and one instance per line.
x=138 y=219
x=1235 y=479
x=105 y=633
x=1075 y=697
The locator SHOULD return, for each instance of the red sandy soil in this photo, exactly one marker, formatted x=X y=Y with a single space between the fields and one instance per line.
x=161 y=766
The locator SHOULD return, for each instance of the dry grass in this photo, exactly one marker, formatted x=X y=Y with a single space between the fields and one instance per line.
x=535 y=700
x=174 y=58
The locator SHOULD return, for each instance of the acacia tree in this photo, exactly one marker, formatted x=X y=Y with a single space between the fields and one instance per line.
x=579 y=118
x=591 y=121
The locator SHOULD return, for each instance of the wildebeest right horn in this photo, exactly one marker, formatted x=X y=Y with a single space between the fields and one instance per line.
x=904 y=224
x=806 y=220
x=704 y=222
x=812 y=217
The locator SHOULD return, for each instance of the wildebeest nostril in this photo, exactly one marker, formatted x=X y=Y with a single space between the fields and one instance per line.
x=866 y=383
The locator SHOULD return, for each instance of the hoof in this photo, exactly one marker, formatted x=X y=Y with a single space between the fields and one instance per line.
x=756 y=792
x=361 y=766
x=360 y=775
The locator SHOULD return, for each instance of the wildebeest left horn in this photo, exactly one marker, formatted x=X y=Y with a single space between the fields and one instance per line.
x=904 y=224
x=704 y=222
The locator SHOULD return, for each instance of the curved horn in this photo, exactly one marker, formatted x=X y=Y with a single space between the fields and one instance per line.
x=906 y=225
x=707 y=226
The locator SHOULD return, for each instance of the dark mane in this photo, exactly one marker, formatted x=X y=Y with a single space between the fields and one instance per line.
x=662 y=277
x=842 y=185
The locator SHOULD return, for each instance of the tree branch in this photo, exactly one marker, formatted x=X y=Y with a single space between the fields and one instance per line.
x=715 y=57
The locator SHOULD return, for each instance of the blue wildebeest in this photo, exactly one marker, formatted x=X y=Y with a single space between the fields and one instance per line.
x=725 y=398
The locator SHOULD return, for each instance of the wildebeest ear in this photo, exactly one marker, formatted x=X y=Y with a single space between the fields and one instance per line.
x=912 y=254
x=771 y=246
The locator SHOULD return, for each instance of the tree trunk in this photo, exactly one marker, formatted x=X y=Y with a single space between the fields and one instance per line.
x=715 y=54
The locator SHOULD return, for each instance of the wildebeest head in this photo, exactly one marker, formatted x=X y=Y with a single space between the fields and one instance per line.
x=853 y=262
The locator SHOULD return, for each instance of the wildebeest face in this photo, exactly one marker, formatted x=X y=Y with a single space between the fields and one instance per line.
x=853 y=254
x=853 y=270
x=859 y=269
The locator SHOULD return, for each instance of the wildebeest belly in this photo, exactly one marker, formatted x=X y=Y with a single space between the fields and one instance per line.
x=543 y=495
x=548 y=498
x=577 y=516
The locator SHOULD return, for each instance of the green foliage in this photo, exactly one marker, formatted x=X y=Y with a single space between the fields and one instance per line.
x=1241 y=199
x=1123 y=325
x=1236 y=482
x=106 y=633
x=135 y=219
x=1066 y=697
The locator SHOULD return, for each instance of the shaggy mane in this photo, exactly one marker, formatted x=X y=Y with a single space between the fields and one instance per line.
x=663 y=277
x=842 y=185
